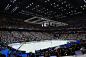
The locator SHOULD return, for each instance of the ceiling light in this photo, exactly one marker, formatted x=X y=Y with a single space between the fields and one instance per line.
x=61 y=14
x=27 y=14
x=45 y=1
x=28 y=5
x=10 y=5
x=48 y=0
x=79 y=12
x=38 y=5
x=71 y=6
x=74 y=10
x=10 y=0
x=22 y=10
x=71 y=14
x=61 y=7
x=64 y=1
x=51 y=4
x=54 y=6
x=57 y=5
x=64 y=9
x=68 y=4
x=75 y=13
x=71 y=11
x=66 y=13
x=13 y=1
x=64 y=16
x=81 y=6
x=7 y=7
x=43 y=8
x=15 y=8
x=32 y=3
x=54 y=3
x=85 y=1
x=38 y=10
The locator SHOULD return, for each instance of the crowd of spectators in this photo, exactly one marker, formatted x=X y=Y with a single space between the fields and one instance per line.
x=16 y=36
x=24 y=25
x=82 y=36
x=63 y=36
x=15 y=24
x=72 y=36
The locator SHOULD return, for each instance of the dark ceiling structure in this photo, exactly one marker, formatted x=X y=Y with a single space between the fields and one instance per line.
x=57 y=10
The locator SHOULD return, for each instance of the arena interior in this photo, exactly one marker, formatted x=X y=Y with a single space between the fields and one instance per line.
x=42 y=28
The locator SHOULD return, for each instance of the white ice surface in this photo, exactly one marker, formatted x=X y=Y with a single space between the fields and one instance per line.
x=40 y=45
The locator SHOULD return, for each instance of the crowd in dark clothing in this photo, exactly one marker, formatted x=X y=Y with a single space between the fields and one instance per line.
x=17 y=36
x=75 y=36
x=24 y=25
x=18 y=25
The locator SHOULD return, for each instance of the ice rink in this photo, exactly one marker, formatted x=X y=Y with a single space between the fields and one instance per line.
x=31 y=47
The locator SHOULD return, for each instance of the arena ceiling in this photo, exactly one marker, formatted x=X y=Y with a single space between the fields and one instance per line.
x=56 y=10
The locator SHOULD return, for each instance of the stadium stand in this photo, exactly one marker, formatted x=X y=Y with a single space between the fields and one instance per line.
x=43 y=28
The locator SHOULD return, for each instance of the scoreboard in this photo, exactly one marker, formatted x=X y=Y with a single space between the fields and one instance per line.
x=48 y=24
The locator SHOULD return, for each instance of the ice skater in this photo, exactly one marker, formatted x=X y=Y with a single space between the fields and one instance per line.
x=51 y=42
